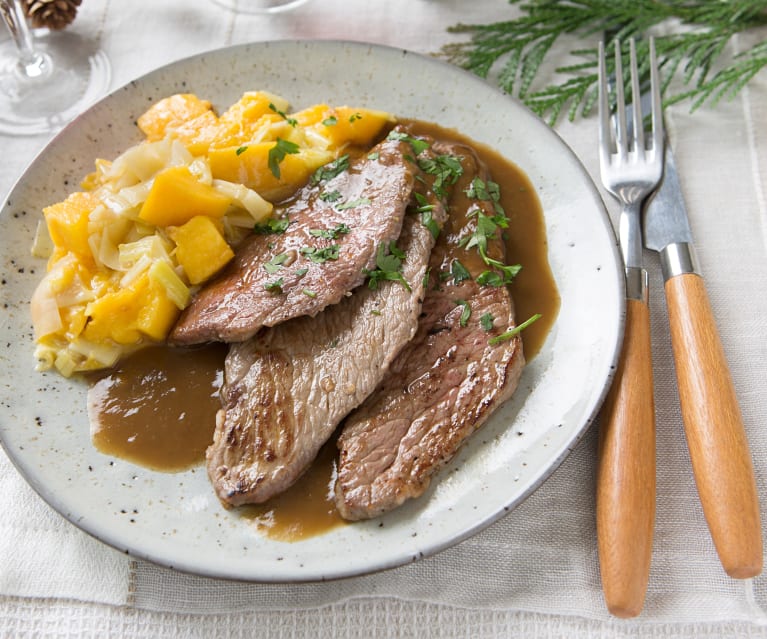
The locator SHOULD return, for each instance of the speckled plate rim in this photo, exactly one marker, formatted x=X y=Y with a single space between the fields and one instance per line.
x=173 y=519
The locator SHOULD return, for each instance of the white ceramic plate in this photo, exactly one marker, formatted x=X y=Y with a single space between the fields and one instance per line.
x=175 y=519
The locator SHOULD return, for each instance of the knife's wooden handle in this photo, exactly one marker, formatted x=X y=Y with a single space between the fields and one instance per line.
x=625 y=498
x=719 y=450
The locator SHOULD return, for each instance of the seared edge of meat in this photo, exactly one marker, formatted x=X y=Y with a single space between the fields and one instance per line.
x=443 y=386
x=445 y=383
x=287 y=389
x=335 y=229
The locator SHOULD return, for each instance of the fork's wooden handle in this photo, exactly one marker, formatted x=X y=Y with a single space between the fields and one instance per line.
x=719 y=451
x=625 y=497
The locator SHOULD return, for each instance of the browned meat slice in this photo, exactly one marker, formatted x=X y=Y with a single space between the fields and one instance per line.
x=336 y=226
x=444 y=384
x=287 y=389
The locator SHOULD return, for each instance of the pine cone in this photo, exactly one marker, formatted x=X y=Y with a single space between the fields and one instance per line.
x=51 y=14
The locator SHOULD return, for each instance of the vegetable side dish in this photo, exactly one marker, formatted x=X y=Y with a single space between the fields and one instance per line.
x=127 y=252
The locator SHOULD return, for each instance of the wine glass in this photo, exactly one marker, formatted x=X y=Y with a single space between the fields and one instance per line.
x=258 y=6
x=45 y=81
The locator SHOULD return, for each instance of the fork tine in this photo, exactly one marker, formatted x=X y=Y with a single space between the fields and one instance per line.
x=621 y=142
x=657 y=109
x=636 y=106
x=603 y=109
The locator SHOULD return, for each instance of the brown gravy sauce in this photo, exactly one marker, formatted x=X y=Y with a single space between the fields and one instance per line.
x=157 y=408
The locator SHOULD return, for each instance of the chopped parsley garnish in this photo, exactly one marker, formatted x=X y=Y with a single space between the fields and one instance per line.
x=388 y=266
x=486 y=321
x=503 y=337
x=430 y=223
x=319 y=256
x=488 y=191
x=330 y=170
x=374 y=155
x=354 y=117
x=493 y=278
x=416 y=144
x=301 y=272
x=273 y=225
x=331 y=234
x=277 y=154
x=426 y=276
x=330 y=196
x=353 y=204
x=276 y=263
x=487 y=226
x=275 y=286
x=309 y=293
x=291 y=121
x=459 y=272
x=331 y=121
x=241 y=150
x=446 y=170
x=427 y=219
x=465 y=313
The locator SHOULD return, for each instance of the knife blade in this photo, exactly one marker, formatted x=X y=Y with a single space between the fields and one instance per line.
x=713 y=423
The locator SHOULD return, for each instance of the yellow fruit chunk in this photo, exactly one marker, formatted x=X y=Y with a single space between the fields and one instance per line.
x=158 y=312
x=344 y=126
x=249 y=165
x=253 y=105
x=68 y=222
x=177 y=196
x=170 y=113
x=128 y=314
x=198 y=133
x=200 y=248
x=312 y=115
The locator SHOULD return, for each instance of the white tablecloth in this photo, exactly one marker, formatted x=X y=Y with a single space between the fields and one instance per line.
x=534 y=573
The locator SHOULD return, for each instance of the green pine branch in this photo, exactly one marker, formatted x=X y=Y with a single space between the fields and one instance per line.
x=516 y=49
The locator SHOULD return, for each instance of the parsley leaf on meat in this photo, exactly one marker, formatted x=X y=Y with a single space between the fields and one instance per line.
x=275 y=286
x=503 y=337
x=416 y=144
x=276 y=263
x=330 y=170
x=273 y=225
x=465 y=313
x=446 y=170
x=486 y=321
x=459 y=272
x=353 y=204
x=319 y=256
x=388 y=267
x=331 y=234
x=487 y=225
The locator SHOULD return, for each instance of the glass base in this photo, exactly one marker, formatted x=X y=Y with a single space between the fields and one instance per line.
x=74 y=76
x=259 y=6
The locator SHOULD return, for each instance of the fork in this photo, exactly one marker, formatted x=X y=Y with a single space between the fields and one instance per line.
x=625 y=497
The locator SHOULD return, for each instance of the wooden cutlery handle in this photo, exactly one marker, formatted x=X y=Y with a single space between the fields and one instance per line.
x=625 y=498
x=719 y=450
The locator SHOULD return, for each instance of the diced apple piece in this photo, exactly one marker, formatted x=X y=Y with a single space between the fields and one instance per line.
x=170 y=113
x=128 y=314
x=68 y=222
x=249 y=165
x=177 y=196
x=201 y=248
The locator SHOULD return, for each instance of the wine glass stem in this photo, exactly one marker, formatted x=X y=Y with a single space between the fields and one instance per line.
x=31 y=64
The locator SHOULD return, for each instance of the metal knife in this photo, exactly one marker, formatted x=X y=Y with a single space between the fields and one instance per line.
x=713 y=423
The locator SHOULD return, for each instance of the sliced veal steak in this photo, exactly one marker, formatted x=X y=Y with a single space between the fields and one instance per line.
x=443 y=385
x=287 y=389
x=336 y=226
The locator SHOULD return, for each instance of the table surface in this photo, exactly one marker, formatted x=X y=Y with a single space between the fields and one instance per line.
x=535 y=572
